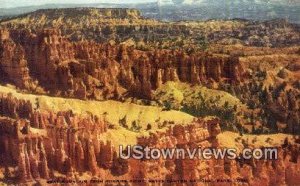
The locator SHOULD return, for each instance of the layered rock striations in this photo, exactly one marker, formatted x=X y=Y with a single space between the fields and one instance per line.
x=101 y=71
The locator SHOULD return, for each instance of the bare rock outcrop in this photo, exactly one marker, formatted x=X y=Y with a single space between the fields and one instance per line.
x=42 y=144
x=87 y=69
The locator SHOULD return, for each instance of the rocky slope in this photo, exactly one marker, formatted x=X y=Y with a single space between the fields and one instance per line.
x=271 y=90
x=39 y=145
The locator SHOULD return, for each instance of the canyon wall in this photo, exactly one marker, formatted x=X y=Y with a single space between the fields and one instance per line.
x=43 y=145
x=41 y=142
x=101 y=71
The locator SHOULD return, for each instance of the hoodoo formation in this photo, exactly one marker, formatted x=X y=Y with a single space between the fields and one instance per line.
x=101 y=71
x=43 y=145
x=210 y=84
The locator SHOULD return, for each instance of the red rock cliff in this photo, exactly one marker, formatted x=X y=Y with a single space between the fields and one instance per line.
x=91 y=70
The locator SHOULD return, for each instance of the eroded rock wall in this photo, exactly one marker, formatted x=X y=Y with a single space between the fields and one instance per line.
x=100 y=71
x=48 y=146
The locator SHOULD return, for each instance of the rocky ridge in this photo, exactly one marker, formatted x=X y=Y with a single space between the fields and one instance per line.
x=102 y=71
x=119 y=25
